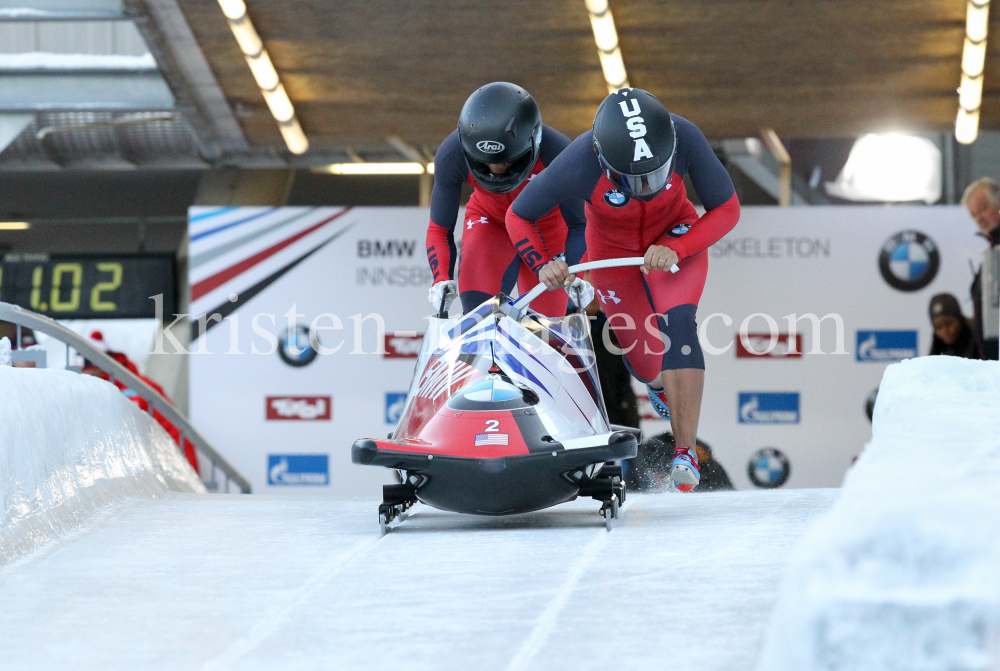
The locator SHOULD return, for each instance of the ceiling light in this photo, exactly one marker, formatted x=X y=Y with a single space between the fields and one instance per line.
x=265 y=75
x=14 y=225
x=970 y=91
x=606 y=38
x=295 y=139
x=374 y=169
x=890 y=168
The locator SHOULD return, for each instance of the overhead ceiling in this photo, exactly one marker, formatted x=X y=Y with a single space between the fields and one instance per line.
x=359 y=71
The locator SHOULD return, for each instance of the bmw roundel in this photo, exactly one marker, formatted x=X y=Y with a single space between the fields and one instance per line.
x=616 y=198
x=909 y=261
x=678 y=231
x=295 y=348
x=768 y=468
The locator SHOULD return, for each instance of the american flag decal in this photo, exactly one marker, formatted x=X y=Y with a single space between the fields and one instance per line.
x=491 y=439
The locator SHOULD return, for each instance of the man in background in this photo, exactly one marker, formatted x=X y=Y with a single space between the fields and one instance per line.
x=982 y=200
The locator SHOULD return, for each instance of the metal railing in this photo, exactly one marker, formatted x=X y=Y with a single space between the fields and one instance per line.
x=43 y=324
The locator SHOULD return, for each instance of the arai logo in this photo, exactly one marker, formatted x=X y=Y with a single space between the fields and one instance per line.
x=616 y=198
x=490 y=147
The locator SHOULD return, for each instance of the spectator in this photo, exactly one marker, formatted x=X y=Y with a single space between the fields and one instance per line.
x=650 y=469
x=982 y=200
x=89 y=368
x=953 y=336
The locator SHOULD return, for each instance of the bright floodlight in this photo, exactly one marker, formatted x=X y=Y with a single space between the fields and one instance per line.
x=890 y=168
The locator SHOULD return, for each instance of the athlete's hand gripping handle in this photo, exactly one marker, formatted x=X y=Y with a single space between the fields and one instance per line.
x=441 y=295
x=540 y=288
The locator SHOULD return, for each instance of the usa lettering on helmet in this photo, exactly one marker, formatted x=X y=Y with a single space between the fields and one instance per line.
x=641 y=150
x=636 y=125
x=635 y=107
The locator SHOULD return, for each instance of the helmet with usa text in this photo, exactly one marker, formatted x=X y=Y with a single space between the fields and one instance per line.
x=636 y=142
x=500 y=125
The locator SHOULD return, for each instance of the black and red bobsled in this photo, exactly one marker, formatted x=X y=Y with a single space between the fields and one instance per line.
x=504 y=415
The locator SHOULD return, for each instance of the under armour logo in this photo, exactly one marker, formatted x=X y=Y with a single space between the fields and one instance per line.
x=480 y=220
x=611 y=296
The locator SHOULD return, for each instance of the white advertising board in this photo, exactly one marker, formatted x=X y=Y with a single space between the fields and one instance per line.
x=289 y=421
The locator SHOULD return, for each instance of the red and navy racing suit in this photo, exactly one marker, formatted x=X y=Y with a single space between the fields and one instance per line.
x=489 y=263
x=619 y=226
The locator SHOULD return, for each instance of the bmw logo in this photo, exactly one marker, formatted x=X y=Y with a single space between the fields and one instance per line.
x=768 y=468
x=678 y=231
x=616 y=198
x=909 y=261
x=294 y=347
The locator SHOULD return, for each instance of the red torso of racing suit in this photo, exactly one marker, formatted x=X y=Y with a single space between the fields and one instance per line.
x=653 y=315
x=489 y=263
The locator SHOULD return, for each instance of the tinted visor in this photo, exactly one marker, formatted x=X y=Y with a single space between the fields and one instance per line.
x=649 y=184
x=518 y=171
x=643 y=186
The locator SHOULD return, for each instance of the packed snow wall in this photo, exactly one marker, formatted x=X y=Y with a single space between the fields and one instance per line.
x=904 y=571
x=71 y=445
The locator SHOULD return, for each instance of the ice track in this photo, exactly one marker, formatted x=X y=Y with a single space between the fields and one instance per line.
x=261 y=582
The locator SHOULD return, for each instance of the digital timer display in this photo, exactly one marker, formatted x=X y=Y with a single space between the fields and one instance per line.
x=89 y=287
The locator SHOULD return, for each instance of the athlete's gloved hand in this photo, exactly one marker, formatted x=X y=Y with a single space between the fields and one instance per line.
x=659 y=257
x=555 y=274
x=437 y=292
x=586 y=290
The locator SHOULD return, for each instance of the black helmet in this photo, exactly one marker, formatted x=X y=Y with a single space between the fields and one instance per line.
x=500 y=123
x=635 y=141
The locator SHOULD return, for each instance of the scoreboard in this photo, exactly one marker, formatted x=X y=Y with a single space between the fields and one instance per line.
x=89 y=286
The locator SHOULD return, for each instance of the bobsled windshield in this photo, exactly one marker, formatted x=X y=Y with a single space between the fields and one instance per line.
x=492 y=393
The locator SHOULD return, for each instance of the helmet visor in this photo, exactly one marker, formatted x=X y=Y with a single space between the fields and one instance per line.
x=516 y=173
x=646 y=185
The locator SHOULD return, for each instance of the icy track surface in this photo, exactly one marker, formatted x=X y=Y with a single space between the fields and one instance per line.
x=257 y=582
x=904 y=571
x=71 y=445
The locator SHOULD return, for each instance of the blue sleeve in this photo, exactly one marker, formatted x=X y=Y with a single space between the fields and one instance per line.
x=695 y=157
x=553 y=144
x=451 y=173
x=572 y=175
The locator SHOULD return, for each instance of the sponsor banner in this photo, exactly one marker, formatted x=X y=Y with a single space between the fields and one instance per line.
x=759 y=346
x=308 y=408
x=331 y=302
x=394 y=401
x=310 y=470
x=886 y=346
x=402 y=345
x=763 y=407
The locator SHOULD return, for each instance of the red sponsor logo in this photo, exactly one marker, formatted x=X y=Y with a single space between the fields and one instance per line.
x=308 y=408
x=404 y=346
x=756 y=344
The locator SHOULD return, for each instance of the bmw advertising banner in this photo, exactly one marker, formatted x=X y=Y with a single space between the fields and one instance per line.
x=306 y=323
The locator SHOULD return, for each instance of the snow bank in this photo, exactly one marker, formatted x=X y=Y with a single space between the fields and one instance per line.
x=70 y=445
x=904 y=571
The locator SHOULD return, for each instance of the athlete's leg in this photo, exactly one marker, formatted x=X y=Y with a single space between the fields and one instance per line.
x=487 y=259
x=683 y=377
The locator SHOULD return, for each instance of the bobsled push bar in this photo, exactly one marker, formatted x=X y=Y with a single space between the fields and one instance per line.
x=540 y=288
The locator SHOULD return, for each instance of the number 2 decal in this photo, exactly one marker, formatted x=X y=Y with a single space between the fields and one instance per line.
x=492 y=425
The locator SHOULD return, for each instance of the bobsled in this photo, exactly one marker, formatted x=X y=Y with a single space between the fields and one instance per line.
x=504 y=415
